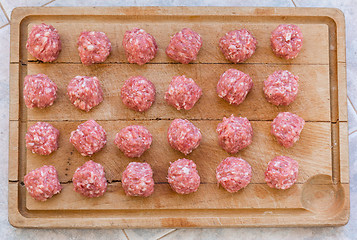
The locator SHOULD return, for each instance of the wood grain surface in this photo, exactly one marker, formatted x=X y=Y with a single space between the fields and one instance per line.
x=319 y=198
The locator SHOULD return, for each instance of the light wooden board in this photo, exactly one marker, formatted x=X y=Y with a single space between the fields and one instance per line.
x=322 y=151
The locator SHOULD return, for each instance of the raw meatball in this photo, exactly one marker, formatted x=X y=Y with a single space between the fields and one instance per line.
x=233 y=174
x=287 y=127
x=282 y=172
x=234 y=133
x=140 y=47
x=281 y=88
x=138 y=93
x=39 y=91
x=133 y=140
x=286 y=41
x=137 y=180
x=183 y=136
x=89 y=138
x=93 y=47
x=184 y=46
x=183 y=93
x=85 y=92
x=42 y=183
x=89 y=180
x=183 y=176
x=44 y=43
x=238 y=45
x=42 y=138
x=233 y=86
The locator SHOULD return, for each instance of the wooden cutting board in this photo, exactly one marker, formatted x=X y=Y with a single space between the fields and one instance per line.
x=319 y=198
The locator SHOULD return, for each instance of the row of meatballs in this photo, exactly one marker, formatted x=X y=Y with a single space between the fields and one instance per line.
x=137 y=180
x=234 y=134
x=140 y=47
x=138 y=93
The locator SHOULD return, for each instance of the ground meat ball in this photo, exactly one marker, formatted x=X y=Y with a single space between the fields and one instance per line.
x=287 y=127
x=233 y=86
x=238 y=45
x=138 y=93
x=140 y=47
x=42 y=138
x=133 y=140
x=89 y=138
x=183 y=176
x=282 y=172
x=234 y=133
x=89 y=180
x=281 y=88
x=44 y=43
x=183 y=136
x=286 y=41
x=233 y=174
x=42 y=183
x=137 y=180
x=39 y=91
x=183 y=93
x=93 y=47
x=184 y=46
x=85 y=92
